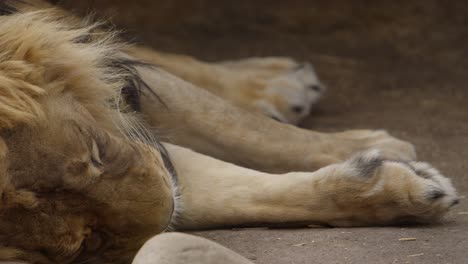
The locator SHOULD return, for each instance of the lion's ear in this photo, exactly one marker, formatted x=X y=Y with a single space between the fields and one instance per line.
x=18 y=102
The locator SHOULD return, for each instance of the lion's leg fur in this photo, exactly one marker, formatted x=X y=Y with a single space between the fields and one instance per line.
x=177 y=248
x=365 y=190
x=277 y=87
x=194 y=118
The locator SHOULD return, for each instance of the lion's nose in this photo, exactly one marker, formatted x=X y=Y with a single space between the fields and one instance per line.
x=297 y=109
x=315 y=87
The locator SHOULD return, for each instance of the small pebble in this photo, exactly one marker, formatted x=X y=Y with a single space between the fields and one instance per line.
x=299 y=245
x=407 y=239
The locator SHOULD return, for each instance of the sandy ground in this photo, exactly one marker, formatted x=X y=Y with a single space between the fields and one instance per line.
x=394 y=65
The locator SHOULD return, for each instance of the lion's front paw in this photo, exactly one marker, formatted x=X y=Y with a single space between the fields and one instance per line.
x=381 y=192
x=391 y=148
x=277 y=87
x=290 y=96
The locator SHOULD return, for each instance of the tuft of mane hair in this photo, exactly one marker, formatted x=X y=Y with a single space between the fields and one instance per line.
x=47 y=52
x=40 y=55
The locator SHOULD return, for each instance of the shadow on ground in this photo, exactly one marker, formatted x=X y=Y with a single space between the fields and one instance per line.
x=395 y=65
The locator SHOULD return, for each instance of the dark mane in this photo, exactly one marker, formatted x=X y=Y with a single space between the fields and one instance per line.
x=135 y=85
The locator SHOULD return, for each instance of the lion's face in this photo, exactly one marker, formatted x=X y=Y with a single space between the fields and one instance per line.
x=91 y=188
x=72 y=186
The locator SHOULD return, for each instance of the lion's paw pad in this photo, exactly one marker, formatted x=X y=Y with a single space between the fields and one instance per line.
x=391 y=192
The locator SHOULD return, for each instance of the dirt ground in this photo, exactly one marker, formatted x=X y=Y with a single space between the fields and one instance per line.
x=395 y=65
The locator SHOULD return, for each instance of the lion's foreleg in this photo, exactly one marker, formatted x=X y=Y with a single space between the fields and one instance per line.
x=365 y=190
x=206 y=123
x=176 y=248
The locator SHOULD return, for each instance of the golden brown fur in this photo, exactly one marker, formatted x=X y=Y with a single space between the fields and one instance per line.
x=83 y=180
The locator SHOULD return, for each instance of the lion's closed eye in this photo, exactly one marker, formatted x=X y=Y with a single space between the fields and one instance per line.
x=95 y=155
x=90 y=165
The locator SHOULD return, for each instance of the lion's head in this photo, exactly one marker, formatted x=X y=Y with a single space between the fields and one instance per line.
x=73 y=185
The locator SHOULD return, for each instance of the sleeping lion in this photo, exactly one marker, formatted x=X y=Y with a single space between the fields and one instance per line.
x=102 y=148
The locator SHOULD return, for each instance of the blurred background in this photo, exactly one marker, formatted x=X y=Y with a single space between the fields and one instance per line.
x=396 y=65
